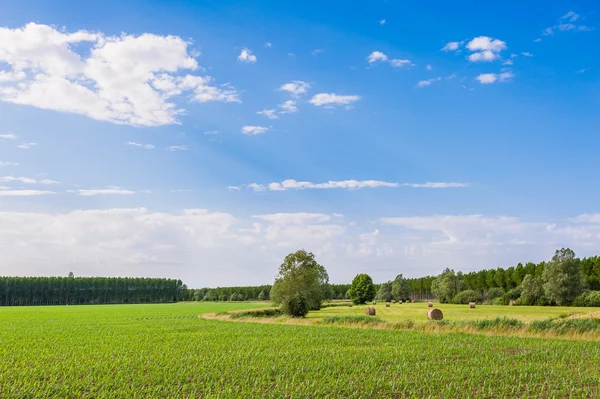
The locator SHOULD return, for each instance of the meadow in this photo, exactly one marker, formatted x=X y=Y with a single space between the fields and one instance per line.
x=167 y=351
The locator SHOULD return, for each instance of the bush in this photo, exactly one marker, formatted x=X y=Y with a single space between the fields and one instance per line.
x=513 y=294
x=268 y=312
x=467 y=296
x=494 y=292
x=295 y=305
x=589 y=298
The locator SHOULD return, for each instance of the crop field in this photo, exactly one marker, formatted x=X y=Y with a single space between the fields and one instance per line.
x=167 y=351
x=418 y=311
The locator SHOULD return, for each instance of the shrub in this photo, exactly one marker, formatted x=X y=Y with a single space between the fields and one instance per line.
x=295 y=305
x=467 y=296
x=494 y=292
x=268 y=312
x=513 y=294
x=589 y=298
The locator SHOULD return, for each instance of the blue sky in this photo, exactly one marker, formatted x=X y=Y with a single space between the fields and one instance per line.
x=206 y=140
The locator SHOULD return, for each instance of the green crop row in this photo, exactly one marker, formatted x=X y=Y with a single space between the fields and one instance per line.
x=167 y=351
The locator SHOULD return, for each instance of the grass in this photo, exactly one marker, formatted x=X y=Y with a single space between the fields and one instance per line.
x=418 y=312
x=159 y=351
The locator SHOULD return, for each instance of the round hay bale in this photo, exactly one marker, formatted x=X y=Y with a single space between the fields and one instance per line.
x=370 y=311
x=429 y=304
x=400 y=302
x=387 y=304
x=435 y=314
x=374 y=303
x=393 y=301
x=350 y=305
x=413 y=301
x=471 y=305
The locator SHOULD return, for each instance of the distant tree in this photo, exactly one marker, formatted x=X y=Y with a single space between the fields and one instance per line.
x=532 y=290
x=71 y=275
x=362 y=289
x=447 y=285
x=262 y=296
x=300 y=285
x=400 y=288
x=385 y=292
x=210 y=296
x=347 y=295
x=563 y=278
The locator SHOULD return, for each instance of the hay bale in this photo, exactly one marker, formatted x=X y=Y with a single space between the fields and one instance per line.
x=413 y=301
x=370 y=311
x=512 y=302
x=374 y=303
x=387 y=304
x=393 y=301
x=435 y=314
x=471 y=305
x=429 y=304
x=350 y=304
x=400 y=302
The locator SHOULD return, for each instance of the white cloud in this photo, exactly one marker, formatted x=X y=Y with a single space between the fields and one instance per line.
x=145 y=146
x=23 y=193
x=291 y=184
x=288 y=107
x=331 y=99
x=382 y=22
x=26 y=146
x=537 y=40
x=125 y=80
x=527 y=54
x=2 y=163
x=246 y=56
x=396 y=63
x=485 y=49
x=254 y=130
x=317 y=51
x=177 y=148
x=428 y=82
x=428 y=67
x=507 y=62
x=451 y=46
x=105 y=191
x=48 y=181
x=25 y=180
x=211 y=132
x=8 y=136
x=571 y=16
x=489 y=78
x=376 y=56
x=243 y=249
x=269 y=113
x=567 y=23
x=296 y=87
x=268 y=45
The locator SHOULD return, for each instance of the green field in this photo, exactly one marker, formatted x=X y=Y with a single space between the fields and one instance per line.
x=167 y=351
x=418 y=312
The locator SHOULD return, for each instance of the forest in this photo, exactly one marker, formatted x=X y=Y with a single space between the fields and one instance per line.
x=24 y=291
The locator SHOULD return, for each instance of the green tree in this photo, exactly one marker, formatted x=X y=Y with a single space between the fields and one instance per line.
x=532 y=290
x=400 y=288
x=563 y=278
x=262 y=296
x=362 y=289
x=300 y=285
x=385 y=292
x=447 y=285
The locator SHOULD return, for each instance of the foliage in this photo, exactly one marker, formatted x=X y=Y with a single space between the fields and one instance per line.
x=236 y=297
x=301 y=284
x=262 y=296
x=563 y=278
x=588 y=298
x=467 y=296
x=532 y=291
x=385 y=292
x=447 y=285
x=21 y=291
x=400 y=288
x=362 y=289
x=512 y=294
x=494 y=292
x=268 y=312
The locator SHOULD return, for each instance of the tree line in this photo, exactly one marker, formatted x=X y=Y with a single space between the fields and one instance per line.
x=24 y=291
